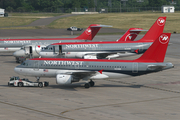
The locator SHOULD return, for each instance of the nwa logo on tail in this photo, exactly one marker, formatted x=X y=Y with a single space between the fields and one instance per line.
x=161 y=21
x=88 y=31
x=163 y=39
x=129 y=36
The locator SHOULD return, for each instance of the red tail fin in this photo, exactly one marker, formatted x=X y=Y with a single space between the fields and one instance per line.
x=91 y=31
x=155 y=31
x=131 y=34
x=157 y=50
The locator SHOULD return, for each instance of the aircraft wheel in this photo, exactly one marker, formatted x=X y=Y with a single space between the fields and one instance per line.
x=92 y=83
x=46 y=84
x=87 y=85
x=20 y=84
x=40 y=84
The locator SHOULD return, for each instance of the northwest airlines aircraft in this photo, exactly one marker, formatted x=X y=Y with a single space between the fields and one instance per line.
x=130 y=35
x=102 y=50
x=10 y=45
x=67 y=71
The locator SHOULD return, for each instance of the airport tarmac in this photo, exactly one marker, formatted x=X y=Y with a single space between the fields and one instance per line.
x=153 y=96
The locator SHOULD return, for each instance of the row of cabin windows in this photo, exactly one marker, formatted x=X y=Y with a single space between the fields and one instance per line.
x=87 y=66
x=82 y=66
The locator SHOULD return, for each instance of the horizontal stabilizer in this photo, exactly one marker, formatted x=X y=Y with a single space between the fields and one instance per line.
x=137 y=30
x=155 y=67
x=102 y=26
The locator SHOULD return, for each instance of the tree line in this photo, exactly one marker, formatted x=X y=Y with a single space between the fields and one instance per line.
x=52 y=5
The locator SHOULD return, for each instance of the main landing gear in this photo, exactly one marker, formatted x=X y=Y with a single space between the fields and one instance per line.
x=89 y=84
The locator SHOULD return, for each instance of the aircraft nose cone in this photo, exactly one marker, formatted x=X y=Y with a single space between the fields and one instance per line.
x=42 y=54
x=19 y=53
x=16 y=70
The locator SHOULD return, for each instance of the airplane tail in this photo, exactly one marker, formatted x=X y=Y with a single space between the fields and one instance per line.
x=91 y=31
x=155 y=30
x=131 y=34
x=157 y=51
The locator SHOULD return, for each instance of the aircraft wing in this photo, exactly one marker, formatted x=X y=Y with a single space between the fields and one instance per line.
x=98 y=55
x=86 y=75
x=103 y=55
x=81 y=74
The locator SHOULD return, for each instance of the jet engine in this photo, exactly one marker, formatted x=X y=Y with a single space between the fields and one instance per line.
x=63 y=79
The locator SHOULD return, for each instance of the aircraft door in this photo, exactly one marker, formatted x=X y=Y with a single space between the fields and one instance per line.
x=30 y=49
x=60 y=49
x=76 y=66
x=54 y=50
x=27 y=50
x=169 y=10
x=135 y=68
x=36 y=65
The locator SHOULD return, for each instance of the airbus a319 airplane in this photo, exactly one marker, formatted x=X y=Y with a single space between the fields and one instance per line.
x=36 y=44
x=102 y=50
x=67 y=71
x=130 y=35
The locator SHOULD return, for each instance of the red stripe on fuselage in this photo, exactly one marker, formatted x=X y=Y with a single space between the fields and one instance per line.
x=90 y=60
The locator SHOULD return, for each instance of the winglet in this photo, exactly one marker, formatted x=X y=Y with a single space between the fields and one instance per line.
x=91 y=31
x=100 y=71
x=155 y=31
x=131 y=34
x=157 y=51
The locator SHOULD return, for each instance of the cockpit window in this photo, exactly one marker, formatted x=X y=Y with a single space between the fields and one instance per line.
x=47 y=48
x=43 y=48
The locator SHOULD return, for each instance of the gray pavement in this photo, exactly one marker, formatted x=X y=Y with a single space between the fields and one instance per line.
x=154 y=96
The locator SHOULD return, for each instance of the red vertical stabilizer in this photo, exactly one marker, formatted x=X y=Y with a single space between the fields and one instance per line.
x=155 y=31
x=91 y=31
x=131 y=34
x=157 y=51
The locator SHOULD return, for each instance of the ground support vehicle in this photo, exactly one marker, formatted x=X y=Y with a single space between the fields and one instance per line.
x=16 y=81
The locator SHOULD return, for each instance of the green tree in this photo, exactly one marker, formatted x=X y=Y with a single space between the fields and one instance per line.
x=76 y=4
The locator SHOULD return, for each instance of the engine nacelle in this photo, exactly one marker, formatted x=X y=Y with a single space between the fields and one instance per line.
x=63 y=79
x=90 y=57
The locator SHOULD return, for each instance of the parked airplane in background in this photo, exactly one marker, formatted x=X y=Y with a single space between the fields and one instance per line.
x=130 y=35
x=35 y=44
x=102 y=50
x=67 y=71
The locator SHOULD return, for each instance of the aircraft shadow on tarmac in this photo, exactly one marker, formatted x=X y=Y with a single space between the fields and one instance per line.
x=80 y=85
x=72 y=87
